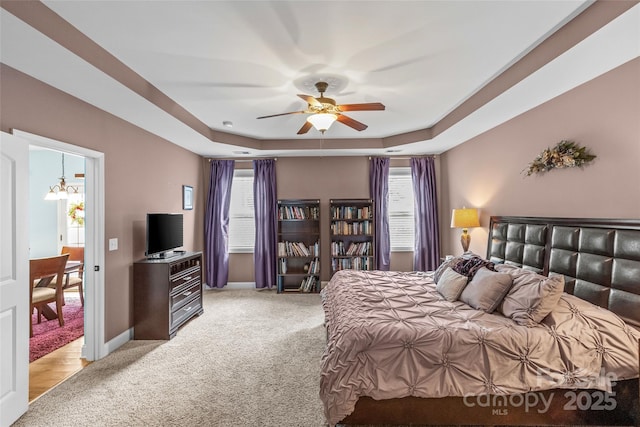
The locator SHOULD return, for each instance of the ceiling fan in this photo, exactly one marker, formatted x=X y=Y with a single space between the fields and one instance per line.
x=324 y=111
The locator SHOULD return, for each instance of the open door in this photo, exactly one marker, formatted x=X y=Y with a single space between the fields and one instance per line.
x=14 y=278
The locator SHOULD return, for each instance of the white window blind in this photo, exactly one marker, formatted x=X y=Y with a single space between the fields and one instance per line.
x=401 y=222
x=242 y=228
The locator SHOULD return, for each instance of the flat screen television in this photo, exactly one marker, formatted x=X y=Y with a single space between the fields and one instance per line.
x=164 y=234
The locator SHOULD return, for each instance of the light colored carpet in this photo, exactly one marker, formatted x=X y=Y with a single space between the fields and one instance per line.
x=252 y=359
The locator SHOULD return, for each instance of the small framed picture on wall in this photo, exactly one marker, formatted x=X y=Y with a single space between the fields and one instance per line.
x=187 y=197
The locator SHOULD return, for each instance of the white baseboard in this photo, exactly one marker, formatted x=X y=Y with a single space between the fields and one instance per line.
x=241 y=285
x=236 y=285
x=117 y=342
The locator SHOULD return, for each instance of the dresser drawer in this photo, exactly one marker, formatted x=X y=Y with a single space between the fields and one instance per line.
x=189 y=309
x=180 y=298
x=184 y=277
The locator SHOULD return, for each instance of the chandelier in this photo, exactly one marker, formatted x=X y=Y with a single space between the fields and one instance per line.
x=61 y=190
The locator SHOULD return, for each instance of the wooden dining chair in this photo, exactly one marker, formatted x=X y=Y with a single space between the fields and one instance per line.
x=75 y=277
x=42 y=272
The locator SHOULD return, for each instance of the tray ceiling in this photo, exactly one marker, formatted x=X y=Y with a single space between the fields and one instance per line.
x=204 y=63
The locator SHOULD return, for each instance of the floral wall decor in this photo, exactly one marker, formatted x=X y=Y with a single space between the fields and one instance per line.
x=566 y=154
x=76 y=213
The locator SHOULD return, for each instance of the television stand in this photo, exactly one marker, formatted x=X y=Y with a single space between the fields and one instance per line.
x=167 y=293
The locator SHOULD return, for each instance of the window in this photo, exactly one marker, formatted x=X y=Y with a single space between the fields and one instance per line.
x=74 y=213
x=242 y=228
x=401 y=225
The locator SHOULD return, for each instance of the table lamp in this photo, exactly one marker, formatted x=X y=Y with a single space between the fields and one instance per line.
x=465 y=218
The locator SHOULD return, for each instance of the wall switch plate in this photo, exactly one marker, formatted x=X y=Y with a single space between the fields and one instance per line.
x=113 y=244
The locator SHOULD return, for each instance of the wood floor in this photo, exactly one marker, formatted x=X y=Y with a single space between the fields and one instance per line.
x=52 y=369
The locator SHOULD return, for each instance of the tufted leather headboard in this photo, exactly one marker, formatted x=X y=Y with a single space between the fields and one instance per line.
x=599 y=258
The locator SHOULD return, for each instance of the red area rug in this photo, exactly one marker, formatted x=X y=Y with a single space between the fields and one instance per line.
x=49 y=336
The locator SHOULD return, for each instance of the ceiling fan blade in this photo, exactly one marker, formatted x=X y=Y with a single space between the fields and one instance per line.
x=282 y=114
x=351 y=122
x=305 y=128
x=371 y=106
x=311 y=100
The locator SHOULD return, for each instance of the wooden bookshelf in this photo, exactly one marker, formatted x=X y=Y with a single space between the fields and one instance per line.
x=298 y=246
x=352 y=234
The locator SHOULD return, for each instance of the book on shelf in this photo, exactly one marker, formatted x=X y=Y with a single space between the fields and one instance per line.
x=297 y=249
x=298 y=212
x=354 y=249
x=350 y=212
x=356 y=263
x=351 y=228
x=309 y=284
x=361 y=248
x=312 y=267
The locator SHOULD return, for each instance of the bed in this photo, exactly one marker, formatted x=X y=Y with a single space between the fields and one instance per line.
x=399 y=353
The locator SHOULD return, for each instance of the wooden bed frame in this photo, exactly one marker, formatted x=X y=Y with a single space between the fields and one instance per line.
x=600 y=259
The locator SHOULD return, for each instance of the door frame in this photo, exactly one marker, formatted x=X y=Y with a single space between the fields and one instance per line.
x=94 y=347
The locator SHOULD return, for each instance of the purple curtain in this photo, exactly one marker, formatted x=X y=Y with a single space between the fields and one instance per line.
x=216 y=223
x=379 y=189
x=265 y=203
x=426 y=254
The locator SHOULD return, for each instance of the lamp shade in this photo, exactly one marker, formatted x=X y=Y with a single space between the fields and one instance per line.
x=464 y=218
x=322 y=121
x=51 y=195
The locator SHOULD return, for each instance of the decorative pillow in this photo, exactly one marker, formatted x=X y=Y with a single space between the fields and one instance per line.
x=532 y=296
x=486 y=290
x=451 y=284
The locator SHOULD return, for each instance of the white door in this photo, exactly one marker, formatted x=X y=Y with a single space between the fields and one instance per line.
x=14 y=278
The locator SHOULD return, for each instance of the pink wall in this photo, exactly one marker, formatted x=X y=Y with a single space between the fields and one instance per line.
x=603 y=115
x=322 y=178
x=143 y=173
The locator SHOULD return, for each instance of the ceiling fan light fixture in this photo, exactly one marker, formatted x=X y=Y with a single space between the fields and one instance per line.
x=325 y=111
x=322 y=121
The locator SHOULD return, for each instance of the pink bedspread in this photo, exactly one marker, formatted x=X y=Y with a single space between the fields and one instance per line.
x=391 y=335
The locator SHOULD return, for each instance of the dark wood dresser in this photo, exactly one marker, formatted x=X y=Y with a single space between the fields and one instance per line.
x=166 y=294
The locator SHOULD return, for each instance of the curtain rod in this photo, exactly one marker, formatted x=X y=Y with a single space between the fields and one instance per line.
x=370 y=157
x=244 y=160
x=404 y=157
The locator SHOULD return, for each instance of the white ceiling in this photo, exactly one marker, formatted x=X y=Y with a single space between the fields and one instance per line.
x=237 y=60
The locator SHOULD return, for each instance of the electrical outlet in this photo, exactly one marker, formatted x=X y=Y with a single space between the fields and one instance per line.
x=113 y=244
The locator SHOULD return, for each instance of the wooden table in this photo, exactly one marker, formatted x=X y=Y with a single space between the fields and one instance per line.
x=70 y=267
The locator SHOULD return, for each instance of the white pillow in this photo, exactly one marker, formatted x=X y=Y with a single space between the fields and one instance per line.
x=451 y=284
x=486 y=290
x=532 y=296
